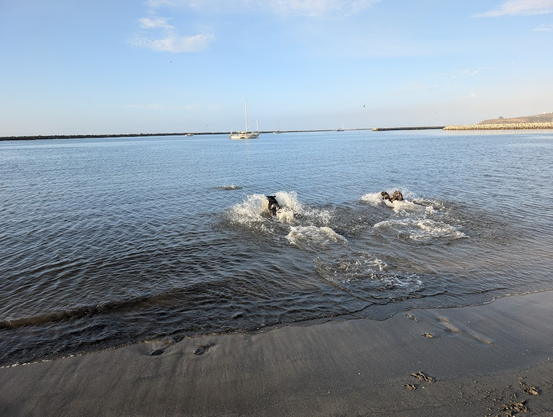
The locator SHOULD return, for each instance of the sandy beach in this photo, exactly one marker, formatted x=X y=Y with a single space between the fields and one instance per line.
x=486 y=360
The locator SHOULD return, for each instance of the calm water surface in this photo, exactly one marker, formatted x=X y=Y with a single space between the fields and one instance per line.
x=105 y=242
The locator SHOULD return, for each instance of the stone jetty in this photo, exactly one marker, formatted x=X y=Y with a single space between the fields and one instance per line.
x=502 y=126
x=384 y=129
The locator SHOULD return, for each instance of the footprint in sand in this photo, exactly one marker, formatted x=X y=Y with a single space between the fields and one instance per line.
x=411 y=317
x=158 y=347
x=200 y=350
x=463 y=330
x=528 y=389
x=421 y=376
x=447 y=326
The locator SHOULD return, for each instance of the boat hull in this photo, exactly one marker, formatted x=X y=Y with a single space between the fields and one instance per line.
x=244 y=135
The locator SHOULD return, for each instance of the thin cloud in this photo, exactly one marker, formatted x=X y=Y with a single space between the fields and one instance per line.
x=520 y=8
x=155 y=22
x=470 y=72
x=544 y=28
x=174 y=43
x=168 y=39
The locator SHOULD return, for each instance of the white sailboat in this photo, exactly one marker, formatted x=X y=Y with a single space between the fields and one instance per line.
x=245 y=134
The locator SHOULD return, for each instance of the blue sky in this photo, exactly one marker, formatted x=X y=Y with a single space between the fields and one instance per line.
x=122 y=66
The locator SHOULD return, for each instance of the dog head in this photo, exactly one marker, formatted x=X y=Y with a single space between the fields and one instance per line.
x=397 y=196
x=385 y=196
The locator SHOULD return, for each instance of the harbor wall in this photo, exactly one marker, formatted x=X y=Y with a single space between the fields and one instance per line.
x=502 y=126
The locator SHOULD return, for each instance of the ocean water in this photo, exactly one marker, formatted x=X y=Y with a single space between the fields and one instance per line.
x=105 y=242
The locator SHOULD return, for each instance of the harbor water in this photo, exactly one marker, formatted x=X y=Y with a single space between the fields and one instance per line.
x=111 y=241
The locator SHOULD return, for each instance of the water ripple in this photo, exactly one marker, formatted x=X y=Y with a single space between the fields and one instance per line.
x=107 y=242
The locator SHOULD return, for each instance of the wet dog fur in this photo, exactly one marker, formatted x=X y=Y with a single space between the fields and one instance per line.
x=274 y=207
x=396 y=196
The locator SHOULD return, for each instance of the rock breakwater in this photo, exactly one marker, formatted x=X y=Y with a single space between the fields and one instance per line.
x=502 y=126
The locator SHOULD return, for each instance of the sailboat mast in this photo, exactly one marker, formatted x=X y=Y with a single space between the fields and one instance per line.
x=246 y=113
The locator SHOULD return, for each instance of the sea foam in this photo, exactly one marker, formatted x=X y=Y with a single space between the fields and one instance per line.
x=314 y=238
x=421 y=230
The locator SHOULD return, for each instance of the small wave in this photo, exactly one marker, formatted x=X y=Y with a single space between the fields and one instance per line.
x=230 y=187
x=421 y=230
x=313 y=237
x=353 y=267
x=366 y=276
x=76 y=313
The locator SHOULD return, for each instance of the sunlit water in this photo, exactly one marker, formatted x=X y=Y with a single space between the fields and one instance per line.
x=106 y=242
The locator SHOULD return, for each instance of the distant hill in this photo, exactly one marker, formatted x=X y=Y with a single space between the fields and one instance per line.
x=539 y=118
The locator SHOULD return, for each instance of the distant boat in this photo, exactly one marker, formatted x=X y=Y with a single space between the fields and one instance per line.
x=340 y=129
x=245 y=134
x=189 y=134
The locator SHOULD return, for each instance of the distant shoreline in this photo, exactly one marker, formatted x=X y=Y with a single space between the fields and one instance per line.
x=138 y=135
x=383 y=129
x=495 y=126
x=502 y=126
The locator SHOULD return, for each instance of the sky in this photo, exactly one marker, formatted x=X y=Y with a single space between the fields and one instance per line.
x=153 y=66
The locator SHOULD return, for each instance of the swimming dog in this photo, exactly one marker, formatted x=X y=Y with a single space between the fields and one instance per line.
x=396 y=196
x=274 y=207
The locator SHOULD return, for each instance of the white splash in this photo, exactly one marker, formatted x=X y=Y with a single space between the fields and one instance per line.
x=421 y=230
x=285 y=215
x=375 y=200
x=405 y=205
x=289 y=200
x=304 y=237
x=255 y=208
x=289 y=206
x=251 y=210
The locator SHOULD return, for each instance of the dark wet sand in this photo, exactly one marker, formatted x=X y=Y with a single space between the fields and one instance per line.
x=474 y=361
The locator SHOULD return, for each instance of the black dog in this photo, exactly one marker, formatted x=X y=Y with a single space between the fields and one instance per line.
x=274 y=207
x=396 y=196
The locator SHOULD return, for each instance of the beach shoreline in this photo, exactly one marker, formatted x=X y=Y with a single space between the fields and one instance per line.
x=495 y=359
